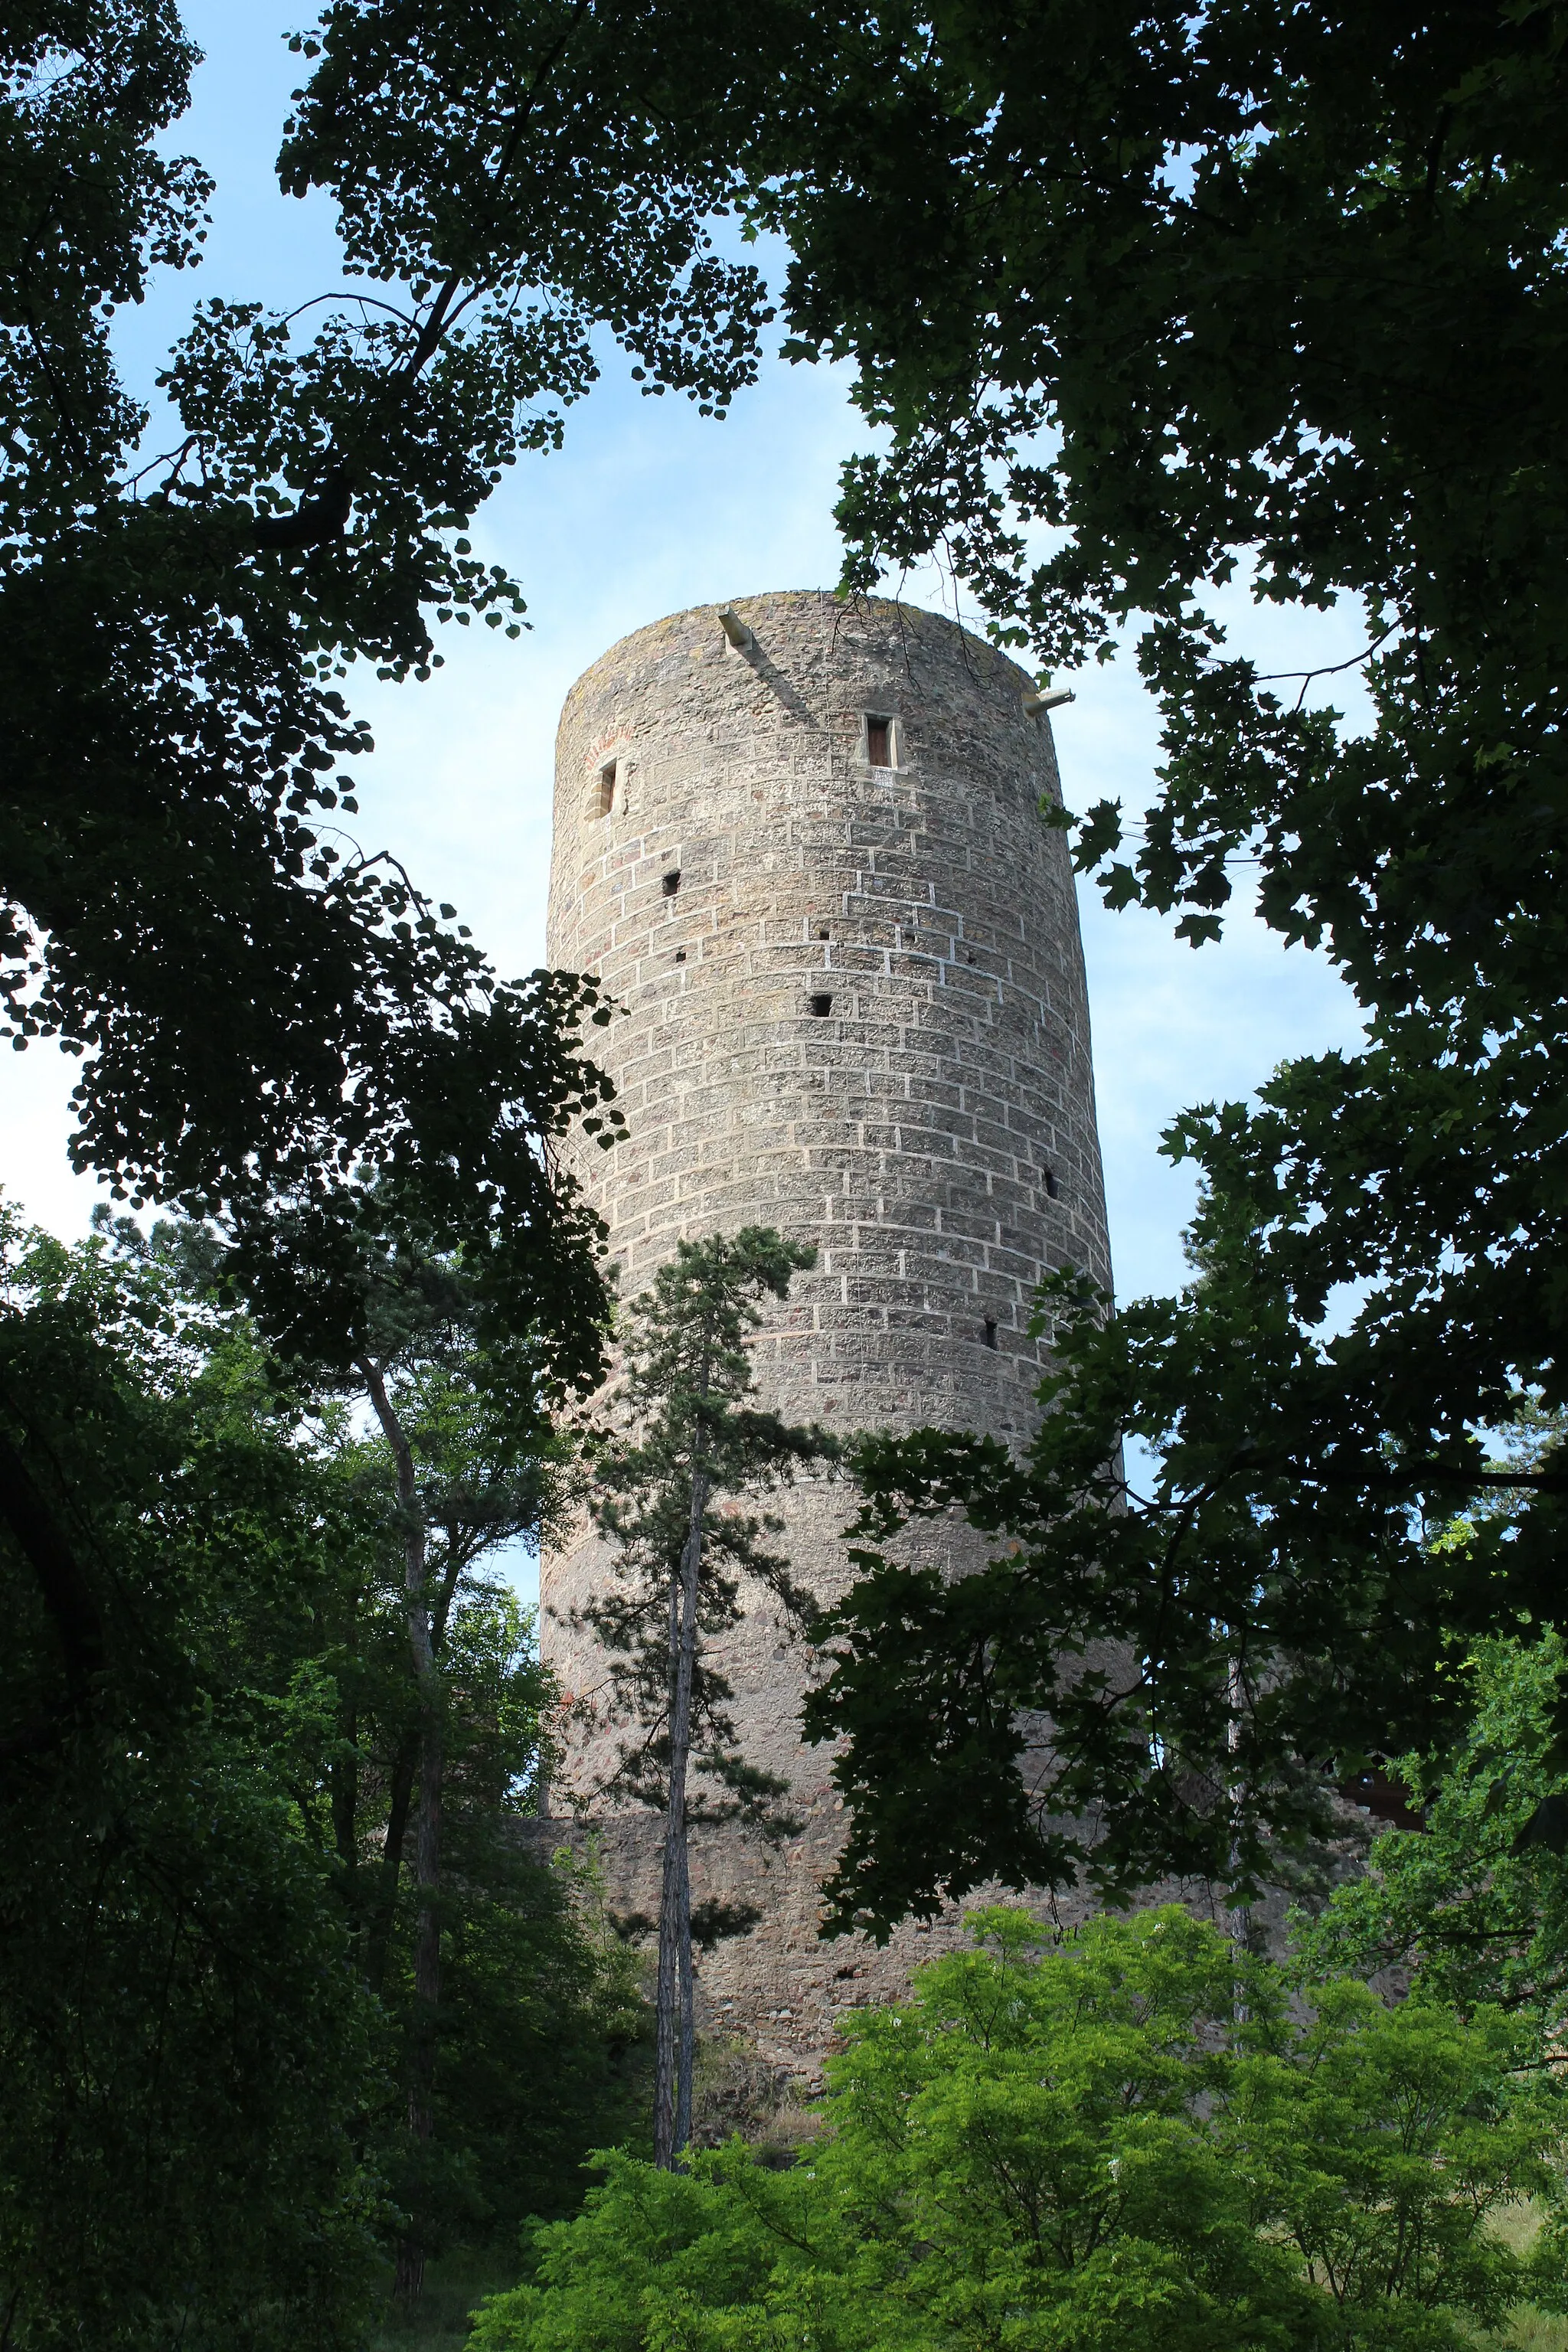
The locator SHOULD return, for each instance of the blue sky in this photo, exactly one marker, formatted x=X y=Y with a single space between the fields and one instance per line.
x=649 y=509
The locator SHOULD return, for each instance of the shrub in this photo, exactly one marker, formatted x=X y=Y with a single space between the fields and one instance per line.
x=1136 y=2138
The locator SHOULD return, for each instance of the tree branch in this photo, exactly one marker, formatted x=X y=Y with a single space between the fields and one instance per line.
x=319 y=520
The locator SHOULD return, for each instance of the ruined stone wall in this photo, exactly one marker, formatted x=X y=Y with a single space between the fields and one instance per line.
x=858 y=1015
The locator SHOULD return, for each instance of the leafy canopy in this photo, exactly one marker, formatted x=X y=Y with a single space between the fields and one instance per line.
x=1151 y=303
x=266 y=1006
x=1478 y=1898
x=1133 y=2140
x=206 y=1926
x=185 y=2041
x=1154 y=301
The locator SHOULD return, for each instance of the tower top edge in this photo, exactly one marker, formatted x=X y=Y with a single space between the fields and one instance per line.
x=914 y=618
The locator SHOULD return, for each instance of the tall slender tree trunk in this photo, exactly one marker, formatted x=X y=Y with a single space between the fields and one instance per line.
x=384 y=1905
x=687 y=2021
x=665 y=2059
x=673 y=2044
x=409 y=2278
x=342 y=1779
x=1236 y=1798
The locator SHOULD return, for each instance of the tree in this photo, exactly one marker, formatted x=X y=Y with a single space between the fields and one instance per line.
x=261 y=1013
x=422 y=1334
x=1084 y=2146
x=470 y=1451
x=445 y=1716
x=544 y=2038
x=207 y=1963
x=172 y=630
x=681 y=1564
x=1187 y=296
x=520 y=2041
x=185 y=2039
x=272 y=1016
x=1150 y=302
x=271 y=1035
x=1476 y=1899
x=1203 y=1651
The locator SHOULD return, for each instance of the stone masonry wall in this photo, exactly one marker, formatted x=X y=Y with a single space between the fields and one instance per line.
x=930 y=1128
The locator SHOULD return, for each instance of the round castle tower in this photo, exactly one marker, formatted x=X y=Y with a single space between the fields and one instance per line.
x=800 y=843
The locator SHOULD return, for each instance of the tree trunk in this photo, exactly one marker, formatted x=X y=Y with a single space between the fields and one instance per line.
x=384 y=1909
x=409 y=2278
x=672 y=2063
x=342 y=1779
x=1236 y=1798
x=687 y=2016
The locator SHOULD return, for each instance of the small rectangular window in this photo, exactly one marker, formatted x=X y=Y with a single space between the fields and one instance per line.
x=879 y=742
x=607 y=788
x=990 y=1330
x=671 y=884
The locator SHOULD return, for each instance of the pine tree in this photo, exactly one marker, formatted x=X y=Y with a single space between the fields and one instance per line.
x=681 y=1567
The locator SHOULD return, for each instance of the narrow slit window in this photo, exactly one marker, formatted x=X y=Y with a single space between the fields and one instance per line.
x=879 y=742
x=606 y=802
x=1053 y=1190
x=819 y=1006
x=990 y=1330
x=671 y=884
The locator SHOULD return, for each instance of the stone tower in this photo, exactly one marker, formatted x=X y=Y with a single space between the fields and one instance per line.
x=800 y=841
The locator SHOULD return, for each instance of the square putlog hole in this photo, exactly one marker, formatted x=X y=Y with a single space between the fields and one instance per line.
x=819 y=1006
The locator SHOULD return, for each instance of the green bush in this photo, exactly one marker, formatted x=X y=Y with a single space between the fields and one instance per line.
x=1138 y=2138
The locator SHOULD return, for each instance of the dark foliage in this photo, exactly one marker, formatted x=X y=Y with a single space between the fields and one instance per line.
x=206 y=1962
x=1279 y=296
x=1150 y=300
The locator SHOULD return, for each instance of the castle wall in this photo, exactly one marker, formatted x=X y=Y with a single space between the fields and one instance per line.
x=931 y=1129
